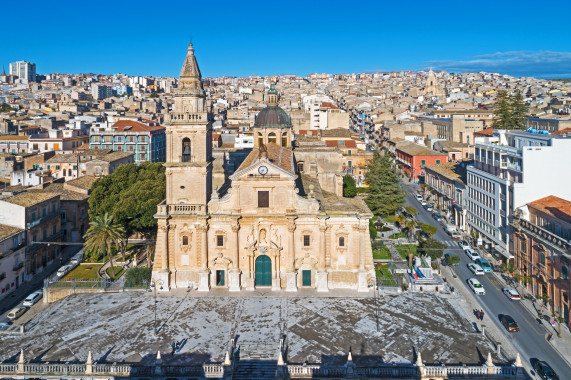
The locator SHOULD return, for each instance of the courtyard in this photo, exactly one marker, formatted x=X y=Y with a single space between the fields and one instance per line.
x=119 y=327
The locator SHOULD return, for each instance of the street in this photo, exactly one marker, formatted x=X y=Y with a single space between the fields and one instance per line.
x=530 y=341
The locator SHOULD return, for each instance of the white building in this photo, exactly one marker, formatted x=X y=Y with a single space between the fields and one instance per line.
x=520 y=168
x=244 y=141
x=25 y=71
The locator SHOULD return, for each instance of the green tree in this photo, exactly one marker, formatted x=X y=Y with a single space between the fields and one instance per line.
x=372 y=230
x=502 y=111
x=432 y=248
x=154 y=95
x=102 y=236
x=5 y=107
x=130 y=195
x=453 y=259
x=520 y=111
x=428 y=229
x=137 y=277
x=349 y=186
x=522 y=279
x=385 y=193
x=411 y=226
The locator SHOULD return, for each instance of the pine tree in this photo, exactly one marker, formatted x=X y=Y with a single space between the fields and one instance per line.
x=519 y=111
x=385 y=193
x=502 y=111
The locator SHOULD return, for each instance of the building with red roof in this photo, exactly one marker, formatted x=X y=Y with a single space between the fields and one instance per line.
x=146 y=141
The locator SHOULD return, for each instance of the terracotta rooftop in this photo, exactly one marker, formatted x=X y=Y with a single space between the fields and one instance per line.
x=277 y=155
x=485 y=132
x=28 y=199
x=341 y=144
x=451 y=170
x=63 y=158
x=58 y=188
x=15 y=138
x=84 y=182
x=562 y=132
x=134 y=126
x=557 y=207
x=337 y=132
x=419 y=150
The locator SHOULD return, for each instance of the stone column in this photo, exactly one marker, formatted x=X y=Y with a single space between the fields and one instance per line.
x=321 y=276
x=164 y=239
x=162 y=272
x=234 y=273
x=291 y=276
x=203 y=275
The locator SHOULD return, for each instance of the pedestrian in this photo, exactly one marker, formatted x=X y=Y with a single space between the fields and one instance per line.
x=482 y=314
x=60 y=260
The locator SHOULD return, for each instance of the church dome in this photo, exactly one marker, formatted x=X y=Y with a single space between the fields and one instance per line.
x=273 y=117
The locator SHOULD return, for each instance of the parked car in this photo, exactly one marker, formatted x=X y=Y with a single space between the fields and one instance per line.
x=423 y=202
x=63 y=270
x=512 y=294
x=437 y=217
x=447 y=256
x=418 y=197
x=464 y=244
x=471 y=254
x=429 y=207
x=509 y=323
x=476 y=269
x=33 y=298
x=16 y=313
x=545 y=371
x=477 y=288
x=484 y=264
x=76 y=259
x=451 y=229
x=456 y=236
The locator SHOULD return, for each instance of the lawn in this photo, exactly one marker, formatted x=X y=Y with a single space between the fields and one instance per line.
x=84 y=272
x=118 y=271
x=381 y=254
x=383 y=272
x=399 y=235
x=403 y=250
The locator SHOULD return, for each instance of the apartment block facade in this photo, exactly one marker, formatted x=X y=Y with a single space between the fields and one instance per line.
x=146 y=142
x=518 y=169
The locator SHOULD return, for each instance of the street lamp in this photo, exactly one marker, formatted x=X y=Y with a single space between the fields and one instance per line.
x=154 y=284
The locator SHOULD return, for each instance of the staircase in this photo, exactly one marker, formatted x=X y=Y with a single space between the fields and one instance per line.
x=255 y=361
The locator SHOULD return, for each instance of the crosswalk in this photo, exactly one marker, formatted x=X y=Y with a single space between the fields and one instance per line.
x=450 y=244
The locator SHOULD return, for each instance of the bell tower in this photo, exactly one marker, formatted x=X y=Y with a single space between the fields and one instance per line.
x=189 y=142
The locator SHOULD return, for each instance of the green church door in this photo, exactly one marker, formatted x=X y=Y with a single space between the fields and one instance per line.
x=263 y=271
x=306 y=278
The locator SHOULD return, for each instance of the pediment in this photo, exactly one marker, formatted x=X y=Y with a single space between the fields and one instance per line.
x=262 y=169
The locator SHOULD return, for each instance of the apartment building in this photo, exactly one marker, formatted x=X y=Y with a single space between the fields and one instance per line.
x=519 y=168
x=101 y=91
x=414 y=158
x=38 y=213
x=12 y=258
x=24 y=70
x=541 y=236
x=147 y=143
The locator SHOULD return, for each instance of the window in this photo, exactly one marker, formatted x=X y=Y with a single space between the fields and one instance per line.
x=523 y=246
x=437 y=161
x=219 y=240
x=342 y=241
x=185 y=240
x=564 y=272
x=422 y=163
x=300 y=167
x=306 y=240
x=542 y=258
x=263 y=199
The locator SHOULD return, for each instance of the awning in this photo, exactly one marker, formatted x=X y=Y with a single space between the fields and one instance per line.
x=503 y=252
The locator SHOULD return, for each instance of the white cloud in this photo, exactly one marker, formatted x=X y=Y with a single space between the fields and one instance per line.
x=518 y=63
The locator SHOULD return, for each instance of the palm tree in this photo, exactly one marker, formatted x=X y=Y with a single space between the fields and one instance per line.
x=102 y=235
x=411 y=225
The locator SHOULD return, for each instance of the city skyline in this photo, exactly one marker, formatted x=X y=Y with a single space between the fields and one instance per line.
x=269 y=40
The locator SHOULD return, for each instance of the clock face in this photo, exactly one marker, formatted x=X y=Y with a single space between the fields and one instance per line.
x=263 y=170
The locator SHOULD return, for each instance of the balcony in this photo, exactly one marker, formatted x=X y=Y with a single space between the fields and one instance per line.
x=18 y=266
x=42 y=219
x=548 y=236
x=500 y=148
x=37 y=245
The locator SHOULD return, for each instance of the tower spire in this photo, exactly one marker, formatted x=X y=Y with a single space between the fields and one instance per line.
x=3 y=70
x=190 y=66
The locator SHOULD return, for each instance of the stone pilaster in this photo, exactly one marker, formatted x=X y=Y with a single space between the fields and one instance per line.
x=204 y=274
x=321 y=275
x=291 y=275
x=234 y=273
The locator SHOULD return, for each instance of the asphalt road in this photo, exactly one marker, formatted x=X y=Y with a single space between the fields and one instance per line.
x=530 y=341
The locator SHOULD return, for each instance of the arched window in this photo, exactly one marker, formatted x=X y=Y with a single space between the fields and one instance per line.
x=260 y=139
x=185 y=240
x=541 y=257
x=300 y=166
x=185 y=150
x=272 y=138
x=342 y=241
x=564 y=272
x=284 y=139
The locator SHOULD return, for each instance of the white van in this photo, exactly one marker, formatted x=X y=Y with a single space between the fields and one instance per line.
x=451 y=228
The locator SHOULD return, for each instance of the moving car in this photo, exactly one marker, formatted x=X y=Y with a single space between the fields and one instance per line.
x=509 y=323
x=464 y=244
x=476 y=269
x=33 y=298
x=477 y=288
x=437 y=217
x=545 y=371
x=471 y=254
x=512 y=294
x=16 y=313
x=484 y=264
x=63 y=270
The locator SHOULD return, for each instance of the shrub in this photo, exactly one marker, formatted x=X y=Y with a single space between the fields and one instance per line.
x=138 y=276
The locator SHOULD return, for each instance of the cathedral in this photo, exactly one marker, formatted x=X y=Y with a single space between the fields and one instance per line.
x=273 y=226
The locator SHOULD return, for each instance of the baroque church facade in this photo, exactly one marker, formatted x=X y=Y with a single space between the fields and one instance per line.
x=272 y=227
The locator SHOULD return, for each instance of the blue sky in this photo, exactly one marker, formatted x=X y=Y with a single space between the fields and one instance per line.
x=289 y=37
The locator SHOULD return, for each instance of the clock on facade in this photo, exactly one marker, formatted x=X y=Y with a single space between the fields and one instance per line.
x=263 y=170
